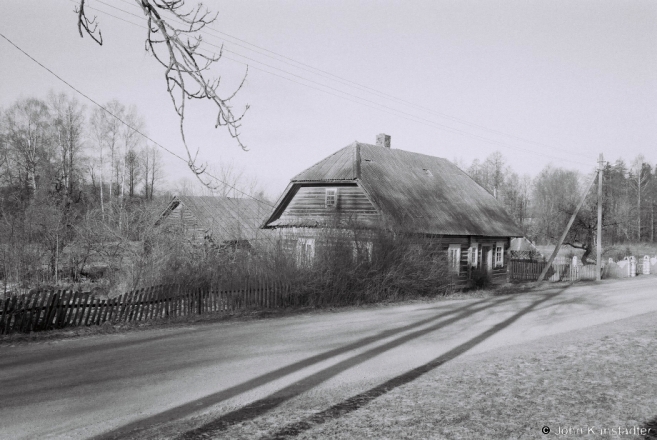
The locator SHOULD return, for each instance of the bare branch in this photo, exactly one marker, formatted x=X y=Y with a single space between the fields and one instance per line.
x=173 y=38
x=89 y=26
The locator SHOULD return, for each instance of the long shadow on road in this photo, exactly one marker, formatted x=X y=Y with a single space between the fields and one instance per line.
x=362 y=399
x=76 y=351
x=272 y=401
x=210 y=400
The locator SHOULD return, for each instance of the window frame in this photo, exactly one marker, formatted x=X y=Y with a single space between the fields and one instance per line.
x=305 y=250
x=362 y=251
x=499 y=254
x=454 y=258
x=331 y=193
x=473 y=255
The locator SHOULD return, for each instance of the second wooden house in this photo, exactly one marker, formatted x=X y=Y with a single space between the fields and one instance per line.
x=224 y=222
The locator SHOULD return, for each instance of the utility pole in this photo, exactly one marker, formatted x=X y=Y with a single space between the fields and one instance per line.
x=565 y=232
x=598 y=259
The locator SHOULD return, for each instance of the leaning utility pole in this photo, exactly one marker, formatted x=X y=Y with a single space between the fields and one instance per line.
x=565 y=232
x=598 y=259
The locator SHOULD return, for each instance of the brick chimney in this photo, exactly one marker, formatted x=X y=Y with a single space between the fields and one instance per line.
x=383 y=140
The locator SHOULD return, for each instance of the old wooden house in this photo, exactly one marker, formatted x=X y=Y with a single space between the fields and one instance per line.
x=220 y=221
x=374 y=186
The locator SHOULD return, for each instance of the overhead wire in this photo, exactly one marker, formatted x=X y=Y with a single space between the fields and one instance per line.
x=145 y=136
x=223 y=227
x=342 y=80
x=135 y=130
x=354 y=98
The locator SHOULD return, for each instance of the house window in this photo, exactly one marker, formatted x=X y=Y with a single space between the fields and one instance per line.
x=473 y=255
x=499 y=255
x=362 y=251
x=414 y=252
x=305 y=250
x=331 y=197
x=454 y=257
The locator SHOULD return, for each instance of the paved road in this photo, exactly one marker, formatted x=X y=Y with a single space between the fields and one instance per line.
x=118 y=386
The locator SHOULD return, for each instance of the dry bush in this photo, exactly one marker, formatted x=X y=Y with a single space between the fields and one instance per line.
x=349 y=266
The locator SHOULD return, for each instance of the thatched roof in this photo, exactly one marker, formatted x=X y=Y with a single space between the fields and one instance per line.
x=424 y=193
x=225 y=218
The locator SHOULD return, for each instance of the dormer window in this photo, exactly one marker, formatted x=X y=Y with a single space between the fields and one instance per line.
x=331 y=198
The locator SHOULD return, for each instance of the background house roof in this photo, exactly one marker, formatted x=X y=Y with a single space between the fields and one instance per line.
x=426 y=194
x=226 y=218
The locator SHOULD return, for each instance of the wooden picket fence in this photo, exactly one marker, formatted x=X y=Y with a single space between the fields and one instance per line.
x=46 y=310
x=520 y=270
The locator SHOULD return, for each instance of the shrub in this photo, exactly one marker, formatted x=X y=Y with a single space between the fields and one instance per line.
x=480 y=279
x=349 y=266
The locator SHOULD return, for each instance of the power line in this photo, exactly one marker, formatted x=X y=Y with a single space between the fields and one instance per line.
x=125 y=123
x=345 y=81
x=354 y=98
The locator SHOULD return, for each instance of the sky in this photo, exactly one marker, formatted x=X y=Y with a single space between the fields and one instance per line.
x=543 y=82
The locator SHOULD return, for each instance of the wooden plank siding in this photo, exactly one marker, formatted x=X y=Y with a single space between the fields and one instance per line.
x=310 y=201
x=183 y=220
x=498 y=274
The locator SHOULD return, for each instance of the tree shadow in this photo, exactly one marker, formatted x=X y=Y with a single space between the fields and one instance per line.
x=297 y=388
x=362 y=399
x=651 y=427
x=262 y=406
x=74 y=351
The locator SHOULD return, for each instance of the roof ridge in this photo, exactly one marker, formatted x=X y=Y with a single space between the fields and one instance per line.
x=326 y=159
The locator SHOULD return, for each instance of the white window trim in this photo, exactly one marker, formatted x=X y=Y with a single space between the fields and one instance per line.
x=473 y=255
x=454 y=258
x=499 y=246
x=328 y=194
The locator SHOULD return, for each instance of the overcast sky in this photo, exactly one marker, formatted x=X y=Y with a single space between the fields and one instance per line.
x=541 y=81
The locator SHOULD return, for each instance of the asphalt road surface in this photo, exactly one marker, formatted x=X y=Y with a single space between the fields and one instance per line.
x=127 y=385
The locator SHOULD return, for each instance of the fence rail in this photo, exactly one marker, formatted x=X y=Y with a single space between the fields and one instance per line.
x=523 y=270
x=46 y=310
x=520 y=270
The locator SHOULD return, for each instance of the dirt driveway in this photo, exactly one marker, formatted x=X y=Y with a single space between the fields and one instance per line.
x=199 y=382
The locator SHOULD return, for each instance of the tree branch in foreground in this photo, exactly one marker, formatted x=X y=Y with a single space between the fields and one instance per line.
x=173 y=38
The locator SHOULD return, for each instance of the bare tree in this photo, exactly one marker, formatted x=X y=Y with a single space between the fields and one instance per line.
x=132 y=170
x=130 y=157
x=69 y=124
x=234 y=181
x=7 y=163
x=231 y=177
x=554 y=195
x=638 y=179
x=151 y=163
x=107 y=133
x=173 y=38
x=28 y=132
x=489 y=174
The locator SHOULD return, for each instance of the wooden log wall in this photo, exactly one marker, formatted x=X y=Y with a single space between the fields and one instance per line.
x=56 y=309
